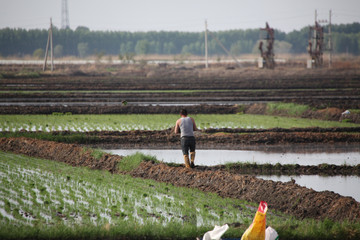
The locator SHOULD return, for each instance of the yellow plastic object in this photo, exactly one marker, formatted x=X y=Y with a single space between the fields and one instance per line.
x=256 y=231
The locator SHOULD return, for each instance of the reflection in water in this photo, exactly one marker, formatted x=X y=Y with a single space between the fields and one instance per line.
x=215 y=157
x=343 y=185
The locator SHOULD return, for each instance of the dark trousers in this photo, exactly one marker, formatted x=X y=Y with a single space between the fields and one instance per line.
x=188 y=143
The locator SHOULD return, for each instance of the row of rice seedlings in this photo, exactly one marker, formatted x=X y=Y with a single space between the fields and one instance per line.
x=81 y=127
x=39 y=192
x=42 y=194
x=85 y=123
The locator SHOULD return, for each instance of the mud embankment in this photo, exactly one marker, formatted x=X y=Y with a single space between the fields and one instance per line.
x=68 y=153
x=287 y=197
x=287 y=169
x=222 y=138
x=325 y=113
x=118 y=108
x=95 y=93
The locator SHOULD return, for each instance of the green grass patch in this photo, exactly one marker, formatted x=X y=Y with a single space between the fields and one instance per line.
x=355 y=111
x=95 y=153
x=290 y=109
x=74 y=137
x=28 y=74
x=131 y=162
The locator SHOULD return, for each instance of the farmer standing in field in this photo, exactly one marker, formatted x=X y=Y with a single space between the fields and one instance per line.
x=186 y=126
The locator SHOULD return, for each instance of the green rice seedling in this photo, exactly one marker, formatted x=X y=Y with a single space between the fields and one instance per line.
x=83 y=123
x=81 y=206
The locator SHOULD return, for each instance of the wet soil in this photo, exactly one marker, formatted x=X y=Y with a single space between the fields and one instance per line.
x=278 y=169
x=174 y=78
x=319 y=88
x=68 y=153
x=286 y=197
x=119 y=108
x=219 y=138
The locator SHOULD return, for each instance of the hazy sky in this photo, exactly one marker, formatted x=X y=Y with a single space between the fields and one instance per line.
x=176 y=15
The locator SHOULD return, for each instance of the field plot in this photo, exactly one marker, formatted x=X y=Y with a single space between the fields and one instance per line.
x=87 y=123
x=47 y=199
x=39 y=192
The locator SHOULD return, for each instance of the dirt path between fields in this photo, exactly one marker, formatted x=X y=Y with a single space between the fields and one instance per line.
x=224 y=138
x=287 y=197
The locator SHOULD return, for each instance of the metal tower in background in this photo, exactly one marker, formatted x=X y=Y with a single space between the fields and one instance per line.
x=316 y=44
x=64 y=15
x=267 y=56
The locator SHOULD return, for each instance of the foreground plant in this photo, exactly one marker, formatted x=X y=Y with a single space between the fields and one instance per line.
x=47 y=199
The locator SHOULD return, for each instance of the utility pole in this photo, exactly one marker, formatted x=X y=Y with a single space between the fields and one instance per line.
x=49 y=41
x=224 y=48
x=330 y=40
x=206 y=47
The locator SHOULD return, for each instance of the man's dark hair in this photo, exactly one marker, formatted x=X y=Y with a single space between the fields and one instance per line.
x=183 y=112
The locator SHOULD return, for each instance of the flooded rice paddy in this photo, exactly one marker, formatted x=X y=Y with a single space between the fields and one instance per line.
x=344 y=185
x=216 y=157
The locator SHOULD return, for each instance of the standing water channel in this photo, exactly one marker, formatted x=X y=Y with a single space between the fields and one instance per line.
x=344 y=185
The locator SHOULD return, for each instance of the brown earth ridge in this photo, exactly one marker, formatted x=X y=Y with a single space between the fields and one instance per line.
x=96 y=92
x=223 y=138
x=287 y=197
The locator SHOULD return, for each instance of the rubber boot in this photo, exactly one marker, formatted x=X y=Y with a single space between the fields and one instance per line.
x=187 y=163
x=192 y=157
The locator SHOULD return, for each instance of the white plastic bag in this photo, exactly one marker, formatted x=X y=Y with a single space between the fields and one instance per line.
x=216 y=233
x=271 y=234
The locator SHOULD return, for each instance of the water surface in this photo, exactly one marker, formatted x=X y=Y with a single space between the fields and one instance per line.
x=343 y=185
x=216 y=157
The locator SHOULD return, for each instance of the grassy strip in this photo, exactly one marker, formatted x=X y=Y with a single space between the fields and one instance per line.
x=356 y=111
x=131 y=162
x=95 y=153
x=124 y=230
x=290 y=109
x=326 y=230
x=74 y=137
x=85 y=123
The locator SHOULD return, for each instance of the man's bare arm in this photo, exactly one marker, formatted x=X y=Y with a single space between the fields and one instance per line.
x=177 y=127
x=194 y=125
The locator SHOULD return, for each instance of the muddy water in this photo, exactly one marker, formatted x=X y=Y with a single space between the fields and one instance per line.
x=343 y=185
x=216 y=157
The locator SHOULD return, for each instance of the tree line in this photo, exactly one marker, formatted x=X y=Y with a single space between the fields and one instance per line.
x=83 y=42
